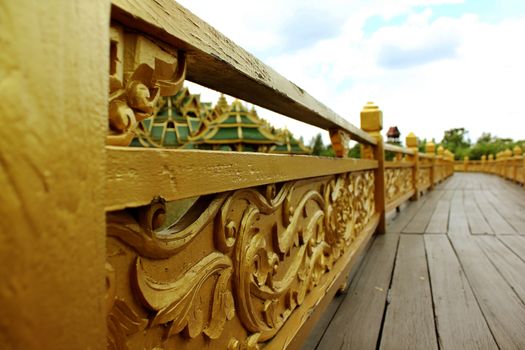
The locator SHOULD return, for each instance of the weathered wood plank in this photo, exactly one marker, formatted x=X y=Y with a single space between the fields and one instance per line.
x=218 y=63
x=458 y=223
x=512 y=213
x=476 y=221
x=508 y=264
x=358 y=321
x=503 y=310
x=516 y=244
x=398 y=149
x=398 y=223
x=135 y=176
x=459 y=320
x=409 y=320
x=498 y=224
x=420 y=221
x=439 y=220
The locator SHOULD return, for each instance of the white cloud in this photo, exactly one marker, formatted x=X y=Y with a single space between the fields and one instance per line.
x=427 y=75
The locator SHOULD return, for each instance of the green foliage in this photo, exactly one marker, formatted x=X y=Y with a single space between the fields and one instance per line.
x=455 y=141
x=488 y=144
x=320 y=149
x=355 y=152
x=317 y=146
x=390 y=155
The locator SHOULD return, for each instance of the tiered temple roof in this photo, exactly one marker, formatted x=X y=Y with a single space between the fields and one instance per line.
x=182 y=121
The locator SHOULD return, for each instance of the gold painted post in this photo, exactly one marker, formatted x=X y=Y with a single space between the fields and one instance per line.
x=517 y=159
x=483 y=163
x=430 y=149
x=411 y=142
x=491 y=163
x=372 y=122
x=465 y=163
x=54 y=65
x=510 y=164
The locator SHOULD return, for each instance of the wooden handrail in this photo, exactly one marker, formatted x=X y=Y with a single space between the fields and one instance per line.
x=216 y=62
x=136 y=175
x=398 y=149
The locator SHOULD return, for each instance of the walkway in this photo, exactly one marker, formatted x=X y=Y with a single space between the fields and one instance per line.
x=450 y=274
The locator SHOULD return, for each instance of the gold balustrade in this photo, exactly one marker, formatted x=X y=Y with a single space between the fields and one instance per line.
x=154 y=248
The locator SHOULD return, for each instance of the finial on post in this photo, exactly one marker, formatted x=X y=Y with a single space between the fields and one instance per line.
x=430 y=148
x=411 y=141
x=371 y=118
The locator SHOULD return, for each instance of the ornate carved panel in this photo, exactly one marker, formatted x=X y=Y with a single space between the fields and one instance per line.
x=226 y=271
x=397 y=183
x=423 y=178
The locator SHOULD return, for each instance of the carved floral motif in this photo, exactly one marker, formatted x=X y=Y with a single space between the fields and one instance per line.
x=423 y=178
x=398 y=181
x=269 y=247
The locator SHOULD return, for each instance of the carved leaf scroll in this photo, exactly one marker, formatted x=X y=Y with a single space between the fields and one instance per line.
x=267 y=249
x=133 y=95
x=175 y=301
x=139 y=229
x=398 y=181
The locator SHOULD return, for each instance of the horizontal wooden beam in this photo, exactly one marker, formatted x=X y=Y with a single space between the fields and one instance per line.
x=395 y=165
x=216 y=62
x=136 y=175
x=426 y=156
x=398 y=201
x=398 y=149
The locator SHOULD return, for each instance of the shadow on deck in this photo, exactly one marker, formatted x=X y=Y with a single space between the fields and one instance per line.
x=449 y=274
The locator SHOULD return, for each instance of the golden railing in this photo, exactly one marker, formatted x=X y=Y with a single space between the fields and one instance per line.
x=234 y=250
x=507 y=164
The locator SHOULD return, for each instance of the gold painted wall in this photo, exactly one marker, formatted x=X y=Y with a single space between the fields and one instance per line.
x=53 y=88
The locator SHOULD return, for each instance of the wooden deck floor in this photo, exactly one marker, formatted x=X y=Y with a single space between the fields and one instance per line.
x=450 y=274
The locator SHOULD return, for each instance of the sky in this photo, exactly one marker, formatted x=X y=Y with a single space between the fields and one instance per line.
x=430 y=65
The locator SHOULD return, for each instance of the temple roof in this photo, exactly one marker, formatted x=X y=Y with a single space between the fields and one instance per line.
x=182 y=121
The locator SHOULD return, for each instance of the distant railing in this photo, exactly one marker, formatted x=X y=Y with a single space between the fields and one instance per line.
x=233 y=250
x=507 y=164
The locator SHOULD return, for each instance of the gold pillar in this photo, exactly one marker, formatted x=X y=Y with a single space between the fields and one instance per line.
x=430 y=149
x=54 y=85
x=411 y=142
x=372 y=122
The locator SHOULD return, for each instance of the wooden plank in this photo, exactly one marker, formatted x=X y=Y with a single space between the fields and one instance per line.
x=516 y=244
x=395 y=165
x=503 y=310
x=398 y=149
x=217 y=62
x=398 y=201
x=458 y=223
x=317 y=333
x=326 y=317
x=439 y=220
x=398 y=223
x=409 y=320
x=136 y=175
x=508 y=264
x=476 y=221
x=498 y=224
x=460 y=323
x=357 y=323
x=420 y=221
x=512 y=213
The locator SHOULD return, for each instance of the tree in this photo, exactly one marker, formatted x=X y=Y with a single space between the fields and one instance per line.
x=317 y=146
x=455 y=141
